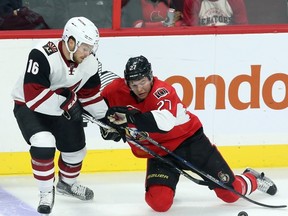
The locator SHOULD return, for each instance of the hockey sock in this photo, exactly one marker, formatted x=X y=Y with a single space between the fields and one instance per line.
x=68 y=172
x=43 y=171
x=248 y=182
x=244 y=184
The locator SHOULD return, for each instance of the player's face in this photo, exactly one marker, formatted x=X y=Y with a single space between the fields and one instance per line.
x=82 y=52
x=141 y=88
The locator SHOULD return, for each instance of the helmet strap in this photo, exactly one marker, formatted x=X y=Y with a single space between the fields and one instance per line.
x=71 y=52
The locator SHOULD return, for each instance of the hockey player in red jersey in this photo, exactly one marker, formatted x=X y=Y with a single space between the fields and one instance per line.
x=59 y=81
x=143 y=102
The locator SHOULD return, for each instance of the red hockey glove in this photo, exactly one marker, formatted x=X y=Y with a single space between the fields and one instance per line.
x=119 y=117
x=71 y=106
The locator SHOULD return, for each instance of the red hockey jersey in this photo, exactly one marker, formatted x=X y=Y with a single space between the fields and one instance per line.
x=167 y=109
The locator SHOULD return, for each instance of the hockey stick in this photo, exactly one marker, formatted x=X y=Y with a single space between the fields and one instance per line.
x=201 y=173
x=149 y=151
x=180 y=159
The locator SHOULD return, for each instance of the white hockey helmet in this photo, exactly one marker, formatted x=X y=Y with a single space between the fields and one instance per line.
x=83 y=31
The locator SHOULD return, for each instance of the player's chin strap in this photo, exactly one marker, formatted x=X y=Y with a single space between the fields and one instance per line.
x=180 y=159
x=71 y=52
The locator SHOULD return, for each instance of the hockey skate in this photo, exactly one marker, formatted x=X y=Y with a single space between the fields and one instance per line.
x=46 y=202
x=75 y=190
x=264 y=184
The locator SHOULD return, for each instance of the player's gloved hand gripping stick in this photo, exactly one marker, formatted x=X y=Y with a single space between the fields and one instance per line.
x=71 y=106
x=122 y=118
x=119 y=117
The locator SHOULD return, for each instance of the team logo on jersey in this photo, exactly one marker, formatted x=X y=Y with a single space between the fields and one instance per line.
x=224 y=177
x=71 y=68
x=161 y=92
x=50 y=48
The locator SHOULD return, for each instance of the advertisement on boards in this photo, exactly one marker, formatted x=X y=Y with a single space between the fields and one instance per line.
x=236 y=84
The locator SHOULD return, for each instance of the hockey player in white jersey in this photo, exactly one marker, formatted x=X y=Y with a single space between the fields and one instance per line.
x=59 y=81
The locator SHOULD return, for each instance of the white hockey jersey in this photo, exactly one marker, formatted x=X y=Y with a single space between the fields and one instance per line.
x=48 y=73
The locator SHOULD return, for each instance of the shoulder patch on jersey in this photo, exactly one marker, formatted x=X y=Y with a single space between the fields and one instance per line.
x=50 y=48
x=161 y=92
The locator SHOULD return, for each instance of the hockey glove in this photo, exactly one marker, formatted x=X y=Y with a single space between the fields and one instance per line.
x=71 y=106
x=110 y=134
x=119 y=117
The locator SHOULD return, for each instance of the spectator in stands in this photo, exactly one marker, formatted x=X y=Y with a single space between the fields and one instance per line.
x=155 y=14
x=15 y=16
x=214 y=12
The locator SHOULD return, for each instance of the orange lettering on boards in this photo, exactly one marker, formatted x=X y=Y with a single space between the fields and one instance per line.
x=256 y=94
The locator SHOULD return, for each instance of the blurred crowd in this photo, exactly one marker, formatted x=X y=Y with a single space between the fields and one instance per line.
x=53 y=14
